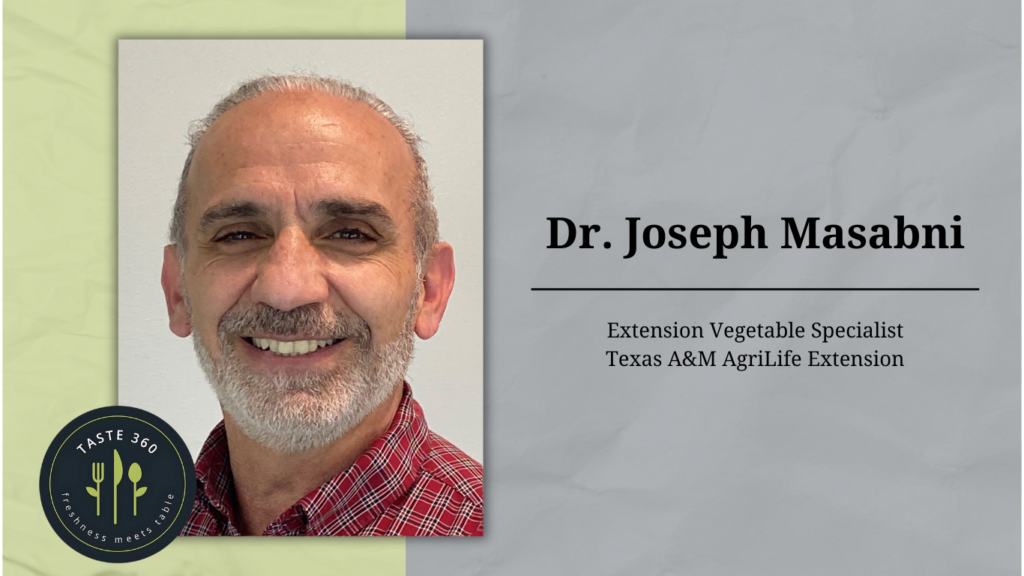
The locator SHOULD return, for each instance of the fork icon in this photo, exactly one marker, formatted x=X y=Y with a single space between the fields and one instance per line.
x=97 y=477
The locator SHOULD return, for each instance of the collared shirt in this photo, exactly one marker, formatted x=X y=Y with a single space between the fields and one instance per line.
x=409 y=482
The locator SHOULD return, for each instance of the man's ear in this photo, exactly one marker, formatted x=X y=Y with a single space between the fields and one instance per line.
x=438 y=280
x=170 y=279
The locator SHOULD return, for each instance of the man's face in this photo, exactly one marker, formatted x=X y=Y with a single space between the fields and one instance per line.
x=299 y=272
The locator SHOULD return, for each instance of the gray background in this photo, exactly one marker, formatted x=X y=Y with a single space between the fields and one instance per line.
x=163 y=85
x=698 y=112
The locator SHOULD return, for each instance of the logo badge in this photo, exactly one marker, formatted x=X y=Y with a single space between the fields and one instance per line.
x=117 y=484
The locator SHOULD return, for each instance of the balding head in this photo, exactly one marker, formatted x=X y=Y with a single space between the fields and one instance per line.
x=298 y=90
x=305 y=257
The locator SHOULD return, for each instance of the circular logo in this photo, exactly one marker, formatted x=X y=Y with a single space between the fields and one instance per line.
x=117 y=484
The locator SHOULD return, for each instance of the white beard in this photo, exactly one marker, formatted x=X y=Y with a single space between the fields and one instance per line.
x=293 y=413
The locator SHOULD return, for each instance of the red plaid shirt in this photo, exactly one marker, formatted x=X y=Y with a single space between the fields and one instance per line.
x=409 y=482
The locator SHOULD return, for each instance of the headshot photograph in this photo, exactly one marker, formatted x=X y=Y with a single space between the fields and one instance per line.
x=300 y=278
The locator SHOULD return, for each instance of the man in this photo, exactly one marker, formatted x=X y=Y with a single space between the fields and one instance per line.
x=304 y=257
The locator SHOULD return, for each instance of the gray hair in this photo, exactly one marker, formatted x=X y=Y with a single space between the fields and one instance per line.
x=423 y=211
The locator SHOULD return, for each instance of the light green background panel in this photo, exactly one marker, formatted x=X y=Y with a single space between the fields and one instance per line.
x=60 y=261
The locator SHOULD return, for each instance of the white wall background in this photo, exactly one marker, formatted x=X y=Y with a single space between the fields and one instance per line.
x=166 y=84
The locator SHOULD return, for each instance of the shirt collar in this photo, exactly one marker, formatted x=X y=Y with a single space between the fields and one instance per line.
x=344 y=504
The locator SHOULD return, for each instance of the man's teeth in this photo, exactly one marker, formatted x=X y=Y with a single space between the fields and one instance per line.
x=297 y=348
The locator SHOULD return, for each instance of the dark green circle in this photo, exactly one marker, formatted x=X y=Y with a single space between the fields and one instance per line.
x=83 y=452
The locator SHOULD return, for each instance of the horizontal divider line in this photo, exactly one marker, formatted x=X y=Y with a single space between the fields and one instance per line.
x=827 y=289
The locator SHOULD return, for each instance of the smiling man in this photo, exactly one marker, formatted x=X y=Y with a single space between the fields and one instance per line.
x=304 y=259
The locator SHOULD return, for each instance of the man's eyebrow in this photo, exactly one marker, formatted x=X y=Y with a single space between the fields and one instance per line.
x=372 y=211
x=230 y=211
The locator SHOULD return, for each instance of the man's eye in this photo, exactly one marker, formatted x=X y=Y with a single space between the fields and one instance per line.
x=236 y=236
x=350 y=234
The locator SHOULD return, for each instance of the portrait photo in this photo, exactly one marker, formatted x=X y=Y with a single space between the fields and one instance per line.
x=300 y=278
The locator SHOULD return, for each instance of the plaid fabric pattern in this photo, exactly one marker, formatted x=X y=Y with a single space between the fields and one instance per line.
x=409 y=482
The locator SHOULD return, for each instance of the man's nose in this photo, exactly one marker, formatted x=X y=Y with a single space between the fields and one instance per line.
x=292 y=274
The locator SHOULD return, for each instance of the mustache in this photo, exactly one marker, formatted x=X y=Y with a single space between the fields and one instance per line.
x=317 y=320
